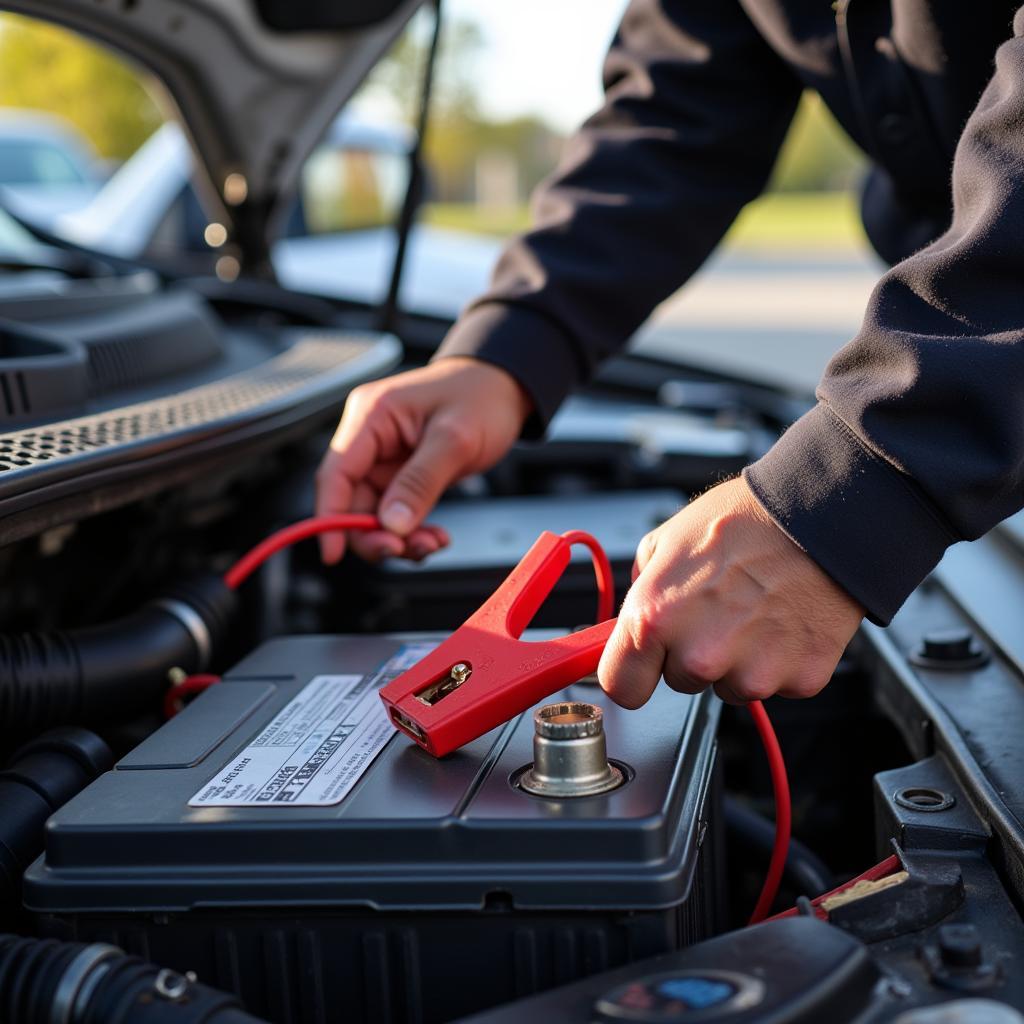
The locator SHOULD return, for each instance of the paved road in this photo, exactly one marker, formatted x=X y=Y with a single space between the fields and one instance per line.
x=777 y=318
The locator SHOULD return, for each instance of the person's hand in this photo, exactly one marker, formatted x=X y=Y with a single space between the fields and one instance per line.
x=402 y=440
x=722 y=597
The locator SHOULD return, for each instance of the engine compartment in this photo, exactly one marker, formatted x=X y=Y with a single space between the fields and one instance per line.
x=435 y=889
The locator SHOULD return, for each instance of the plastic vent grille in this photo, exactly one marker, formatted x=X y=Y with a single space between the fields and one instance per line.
x=14 y=399
x=243 y=393
x=116 y=364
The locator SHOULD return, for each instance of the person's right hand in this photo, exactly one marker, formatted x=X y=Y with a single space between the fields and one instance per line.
x=402 y=440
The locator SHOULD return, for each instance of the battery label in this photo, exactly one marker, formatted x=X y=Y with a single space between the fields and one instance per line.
x=316 y=748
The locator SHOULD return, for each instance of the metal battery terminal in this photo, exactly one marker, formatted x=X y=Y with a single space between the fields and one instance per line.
x=570 y=755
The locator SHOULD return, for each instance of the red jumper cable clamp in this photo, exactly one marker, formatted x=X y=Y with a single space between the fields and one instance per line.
x=483 y=674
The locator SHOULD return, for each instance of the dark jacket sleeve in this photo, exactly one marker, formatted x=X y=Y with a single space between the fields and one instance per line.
x=917 y=440
x=696 y=108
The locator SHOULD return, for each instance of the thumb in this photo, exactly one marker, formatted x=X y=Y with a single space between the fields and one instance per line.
x=436 y=462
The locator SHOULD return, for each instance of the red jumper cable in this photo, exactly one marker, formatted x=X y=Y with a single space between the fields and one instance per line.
x=247 y=565
x=435 y=703
x=283 y=538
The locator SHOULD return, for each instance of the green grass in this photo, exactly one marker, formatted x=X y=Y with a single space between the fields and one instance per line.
x=477 y=220
x=782 y=220
x=814 y=220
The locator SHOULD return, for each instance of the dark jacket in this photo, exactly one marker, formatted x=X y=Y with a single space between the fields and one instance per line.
x=917 y=440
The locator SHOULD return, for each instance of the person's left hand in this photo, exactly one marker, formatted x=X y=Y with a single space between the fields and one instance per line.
x=722 y=597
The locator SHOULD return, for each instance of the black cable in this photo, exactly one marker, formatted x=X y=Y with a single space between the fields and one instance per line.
x=41 y=777
x=414 y=189
x=805 y=870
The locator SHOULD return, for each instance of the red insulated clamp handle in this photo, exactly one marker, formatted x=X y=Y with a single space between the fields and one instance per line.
x=483 y=674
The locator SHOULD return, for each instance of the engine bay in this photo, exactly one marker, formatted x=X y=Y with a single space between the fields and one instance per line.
x=273 y=836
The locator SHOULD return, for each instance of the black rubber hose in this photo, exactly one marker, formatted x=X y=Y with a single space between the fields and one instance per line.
x=805 y=870
x=41 y=777
x=43 y=981
x=114 y=672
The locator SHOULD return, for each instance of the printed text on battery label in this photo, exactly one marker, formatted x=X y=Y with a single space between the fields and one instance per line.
x=311 y=753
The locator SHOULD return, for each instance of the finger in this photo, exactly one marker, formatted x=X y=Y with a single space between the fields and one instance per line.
x=809 y=682
x=421 y=544
x=631 y=664
x=375 y=545
x=416 y=487
x=644 y=552
x=333 y=496
x=379 y=478
x=434 y=537
x=698 y=656
x=441 y=535
x=371 y=545
x=682 y=683
x=349 y=459
x=727 y=694
x=763 y=669
x=382 y=472
x=379 y=544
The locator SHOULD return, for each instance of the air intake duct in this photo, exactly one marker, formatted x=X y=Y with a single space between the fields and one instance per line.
x=43 y=981
x=41 y=777
x=111 y=673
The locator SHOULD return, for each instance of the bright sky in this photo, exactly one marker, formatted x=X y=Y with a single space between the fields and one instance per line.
x=541 y=56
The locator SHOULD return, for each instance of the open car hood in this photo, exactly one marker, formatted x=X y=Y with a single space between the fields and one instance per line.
x=256 y=83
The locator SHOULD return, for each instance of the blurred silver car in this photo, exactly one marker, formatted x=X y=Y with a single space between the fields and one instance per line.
x=338 y=239
x=46 y=167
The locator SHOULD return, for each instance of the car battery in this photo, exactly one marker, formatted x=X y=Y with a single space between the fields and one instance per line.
x=489 y=537
x=280 y=839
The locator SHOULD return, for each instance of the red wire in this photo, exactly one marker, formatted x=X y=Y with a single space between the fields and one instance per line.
x=249 y=563
x=887 y=867
x=190 y=684
x=602 y=570
x=783 y=812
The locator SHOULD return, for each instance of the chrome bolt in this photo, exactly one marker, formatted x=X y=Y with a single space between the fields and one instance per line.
x=171 y=985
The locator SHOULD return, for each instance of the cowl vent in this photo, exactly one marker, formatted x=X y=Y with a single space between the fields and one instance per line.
x=40 y=373
x=319 y=360
x=54 y=369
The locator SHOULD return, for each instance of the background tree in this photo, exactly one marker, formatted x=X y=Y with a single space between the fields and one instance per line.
x=44 y=67
x=818 y=156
